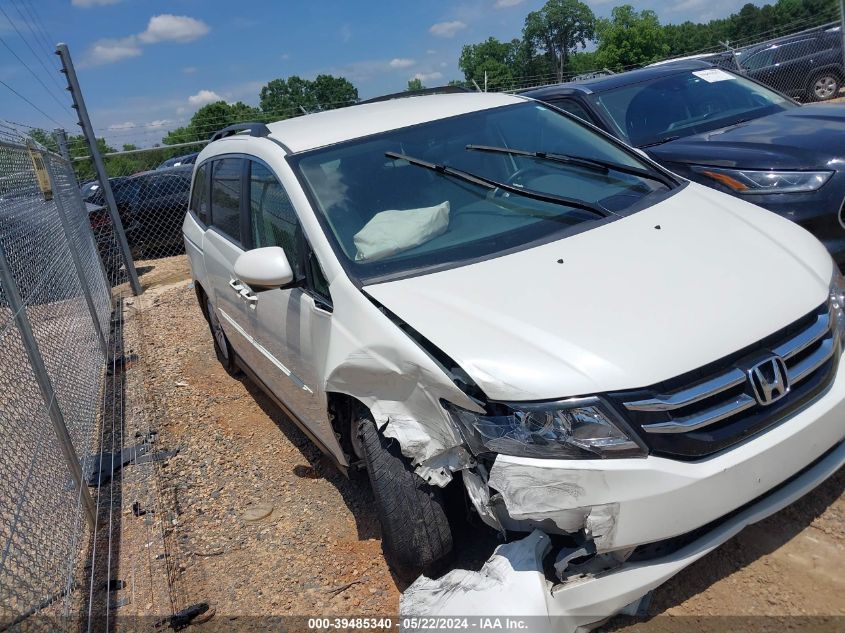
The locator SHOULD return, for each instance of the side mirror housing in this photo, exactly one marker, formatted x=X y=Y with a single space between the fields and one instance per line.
x=266 y=267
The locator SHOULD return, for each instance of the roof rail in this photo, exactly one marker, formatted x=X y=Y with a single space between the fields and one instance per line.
x=416 y=93
x=255 y=128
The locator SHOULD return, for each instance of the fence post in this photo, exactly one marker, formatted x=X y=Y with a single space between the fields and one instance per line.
x=84 y=121
x=45 y=385
x=77 y=263
x=61 y=140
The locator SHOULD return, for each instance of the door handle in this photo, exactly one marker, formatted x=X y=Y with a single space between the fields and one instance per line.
x=236 y=285
x=244 y=292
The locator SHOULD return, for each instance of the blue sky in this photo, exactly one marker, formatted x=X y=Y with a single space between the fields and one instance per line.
x=146 y=65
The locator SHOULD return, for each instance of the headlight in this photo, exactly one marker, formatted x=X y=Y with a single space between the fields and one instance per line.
x=580 y=428
x=751 y=181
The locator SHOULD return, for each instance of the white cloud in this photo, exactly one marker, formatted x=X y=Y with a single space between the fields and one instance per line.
x=505 y=4
x=85 y=4
x=431 y=51
x=428 y=76
x=204 y=97
x=159 y=123
x=446 y=29
x=110 y=51
x=173 y=28
x=285 y=56
x=189 y=70
x=401 y=62
x=122 y=126
x=161 y=28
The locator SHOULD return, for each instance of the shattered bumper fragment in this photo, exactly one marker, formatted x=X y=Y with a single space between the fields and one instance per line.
x=513 y=583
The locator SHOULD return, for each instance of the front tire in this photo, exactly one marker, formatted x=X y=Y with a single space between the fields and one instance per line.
x=416 y=537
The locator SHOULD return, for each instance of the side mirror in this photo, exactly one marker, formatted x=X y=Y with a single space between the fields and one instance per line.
x=266 y=267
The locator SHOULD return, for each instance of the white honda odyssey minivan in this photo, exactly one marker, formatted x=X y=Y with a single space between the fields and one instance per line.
x=479 y=293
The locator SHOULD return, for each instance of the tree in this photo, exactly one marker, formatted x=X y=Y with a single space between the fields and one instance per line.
x=209 y=119
x=284 y=98
x=629 y=39
x=558 y=29
x=491 y=57
x=415 y=84
x=334 y=92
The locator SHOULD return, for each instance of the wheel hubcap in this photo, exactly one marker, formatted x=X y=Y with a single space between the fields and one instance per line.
x=217 y=330
x=825 y=87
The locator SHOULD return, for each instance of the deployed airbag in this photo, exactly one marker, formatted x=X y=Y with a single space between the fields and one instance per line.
x=394 y=231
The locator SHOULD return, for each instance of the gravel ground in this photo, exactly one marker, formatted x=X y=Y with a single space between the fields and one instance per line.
x=262 y=524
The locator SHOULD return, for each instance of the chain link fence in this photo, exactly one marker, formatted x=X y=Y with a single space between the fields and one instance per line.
x=151 y=202
x=55 y=305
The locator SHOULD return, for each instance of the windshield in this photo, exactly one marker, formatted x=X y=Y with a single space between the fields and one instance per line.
x=686 y=103
x=418 y=197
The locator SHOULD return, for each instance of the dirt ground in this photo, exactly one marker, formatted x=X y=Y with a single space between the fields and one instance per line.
x=257 y=522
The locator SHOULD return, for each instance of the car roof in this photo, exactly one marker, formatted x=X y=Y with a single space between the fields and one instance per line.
x=186 y=169
x=609 y=82
x=343 y=124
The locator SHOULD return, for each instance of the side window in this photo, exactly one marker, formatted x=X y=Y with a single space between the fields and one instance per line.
x=759 y=60
x=272 y=218
x=199 y=197
x=793 y=50
x=573 y=108
x=226 y=196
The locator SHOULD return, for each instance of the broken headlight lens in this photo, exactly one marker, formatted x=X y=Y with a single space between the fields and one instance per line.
x=581 y=428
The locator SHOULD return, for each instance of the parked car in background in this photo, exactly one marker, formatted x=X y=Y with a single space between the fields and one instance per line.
x=480 y=284
x=726 y=131
x=151 y=205
x=103 y=228
x=808 y=67
x=177 y=161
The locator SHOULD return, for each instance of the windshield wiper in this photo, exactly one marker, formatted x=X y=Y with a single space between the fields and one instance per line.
x=489 y=183
x=660 y=141
x=589 y=163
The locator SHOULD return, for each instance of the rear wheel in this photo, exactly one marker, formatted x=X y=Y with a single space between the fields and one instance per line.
x=825 y=86
x=222 y=347
x=416 y=537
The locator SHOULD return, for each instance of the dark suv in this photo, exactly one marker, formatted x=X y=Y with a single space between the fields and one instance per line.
x=152 y=206
x=807 y=67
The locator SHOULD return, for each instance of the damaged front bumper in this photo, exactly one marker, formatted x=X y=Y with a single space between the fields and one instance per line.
x=513 y=581
x=620 y=504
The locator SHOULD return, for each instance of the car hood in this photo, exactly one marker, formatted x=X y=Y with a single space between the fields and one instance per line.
x=635 y=302
x=807 y=137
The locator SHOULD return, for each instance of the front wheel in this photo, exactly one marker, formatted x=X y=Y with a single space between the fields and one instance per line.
x=415 y=532
x=824 y=86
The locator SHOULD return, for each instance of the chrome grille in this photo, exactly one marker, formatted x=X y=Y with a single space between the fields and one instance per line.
x=715 y=405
